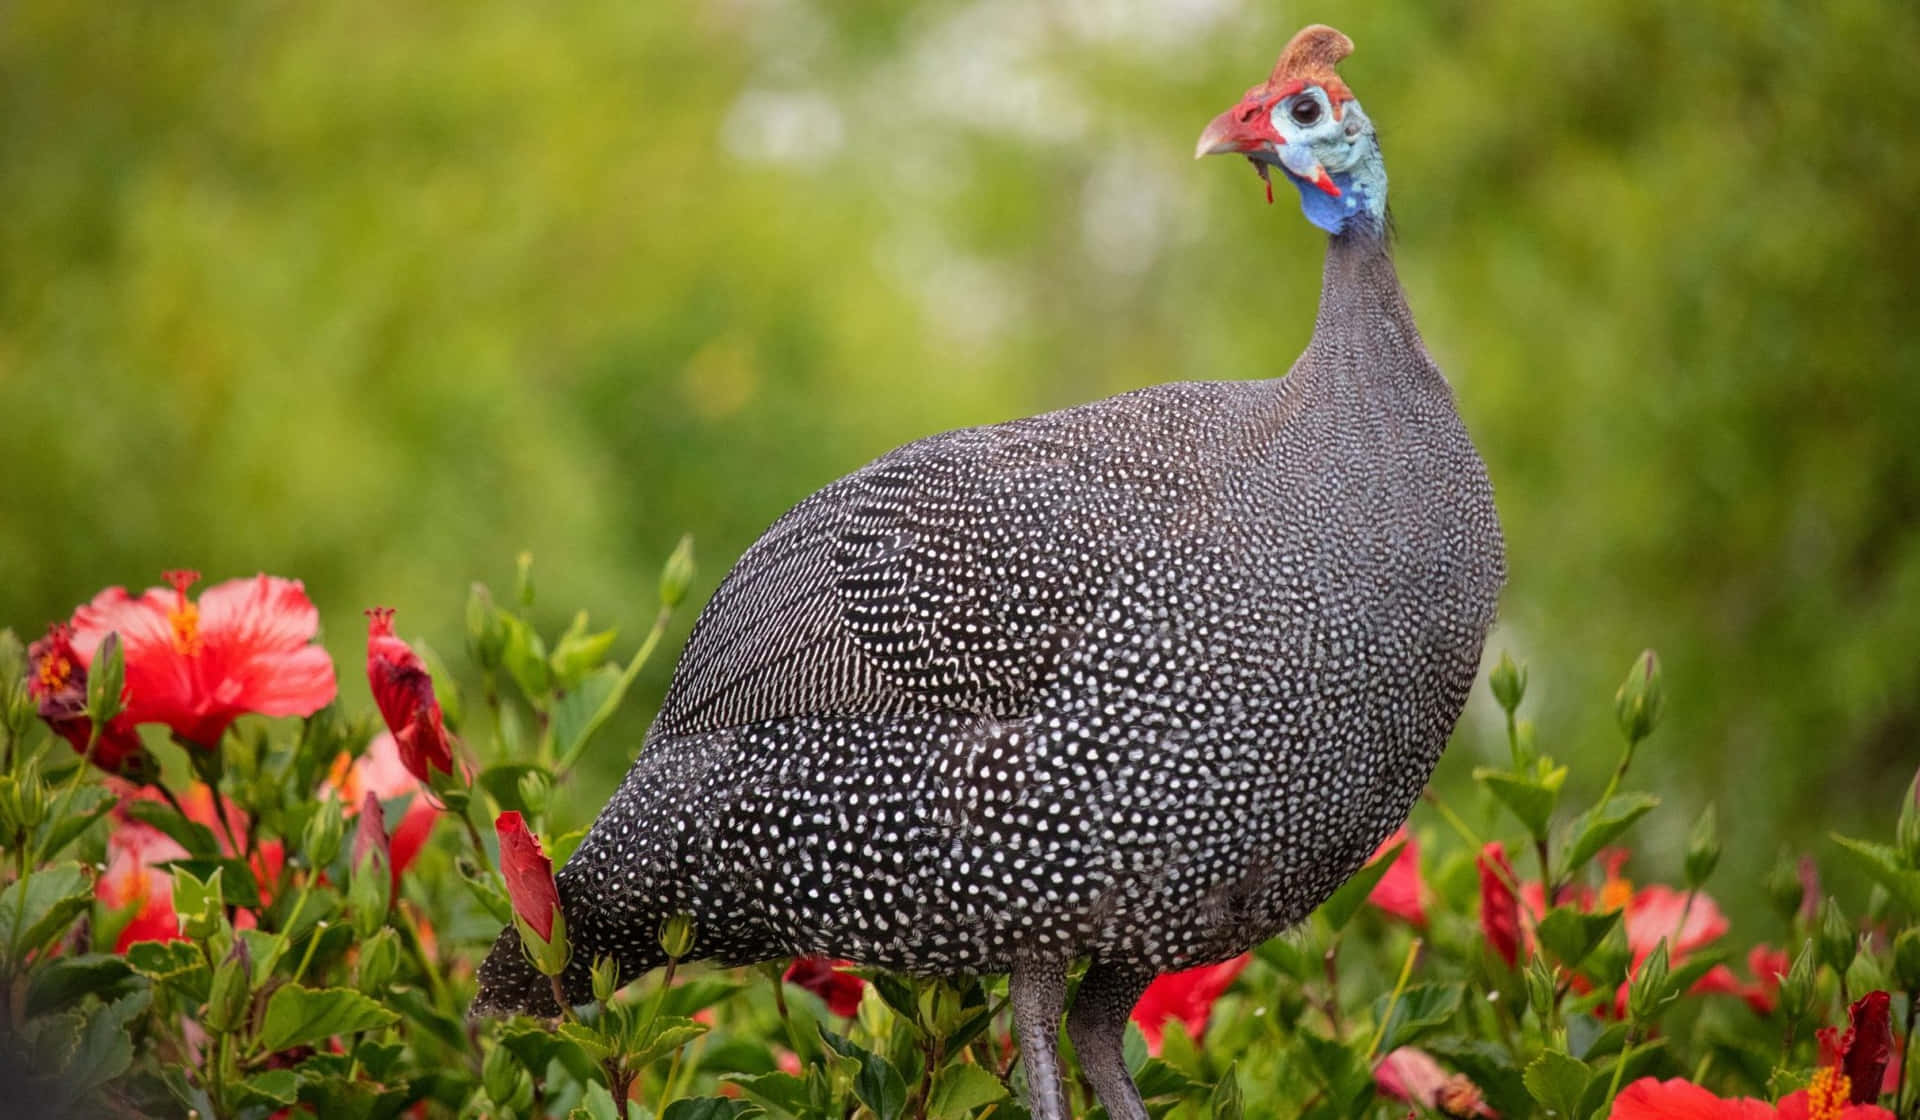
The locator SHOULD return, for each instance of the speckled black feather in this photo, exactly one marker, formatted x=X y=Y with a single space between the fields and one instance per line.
x=1141 y=681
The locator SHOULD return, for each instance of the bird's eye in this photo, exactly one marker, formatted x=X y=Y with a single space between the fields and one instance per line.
x=1305 y=111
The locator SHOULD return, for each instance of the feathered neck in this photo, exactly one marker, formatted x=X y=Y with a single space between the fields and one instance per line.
x=1364 y=328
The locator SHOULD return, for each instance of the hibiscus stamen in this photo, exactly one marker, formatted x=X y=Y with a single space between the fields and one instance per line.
x=1829 y=1094
x=55 y=669
x=184 y=618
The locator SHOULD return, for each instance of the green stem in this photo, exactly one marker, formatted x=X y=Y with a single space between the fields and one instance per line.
x=627 y=677
x=1399 y=988
x=1513 y=739
x=1620 y=1067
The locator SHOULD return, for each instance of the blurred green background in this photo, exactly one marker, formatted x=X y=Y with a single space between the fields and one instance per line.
x=378 y=295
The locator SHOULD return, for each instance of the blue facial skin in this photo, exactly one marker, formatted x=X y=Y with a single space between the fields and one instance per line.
x=1345 y=147
x=1335 y=214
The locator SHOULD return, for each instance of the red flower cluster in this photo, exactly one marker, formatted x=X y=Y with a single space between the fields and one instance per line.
x=823 y=977
x=1850 y=1078
x=404 y=692
x=134 y=880
x=1187 y=996
x=246 y=646
x=1651 y=914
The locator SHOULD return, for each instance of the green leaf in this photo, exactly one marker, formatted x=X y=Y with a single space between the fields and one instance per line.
x=1558 y=1081
x=598 y=1105
x=104 y=1049
x=1571 y=934
x=959 y=1089
x=1600 y=825
x=1158 y=1079
x=297 y=1015
x=89 y=804
x=1226 y=1095
x=665 y=1035
x=274 y=1089
x=1340 y=908
x=44 y=904
x=65 y=981
x=878 y=1084
x=1490 y=1066
x=897 y=993
x=1530 y=797
x=784 y=1091
x=711 y=1108
x=176 y=964
x=578 y=652
x=1421 y=1010
x=683 y=1001
x=585 y=709
x=1641 y=1062
x=195 y=837
x=598 y=1046
x=1883 y=865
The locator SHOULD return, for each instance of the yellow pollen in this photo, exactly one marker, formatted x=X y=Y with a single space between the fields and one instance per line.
x=55 y=671
x=185 y=620
x=1828 y=1095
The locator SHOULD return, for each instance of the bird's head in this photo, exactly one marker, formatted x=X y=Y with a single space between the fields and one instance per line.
x=1304 y=120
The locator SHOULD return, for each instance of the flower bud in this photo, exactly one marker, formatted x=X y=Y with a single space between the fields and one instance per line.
x=1796 y=987
x=1837 y=940
x=523 y=578
x=485 y=636
x=1637 y=705
x=1703 y=848
x=535 y=791
x=1784 y=888
x=1647 y=989
x=677 y=574
x=535 y=897
x=370 y=888
x=676 y=936
x=1541 y=986
x=17 y=705
x=606 y=978
x=227 y=998
x=320 y=841
x=379 y=962
x=106 y=680
x=1907 y=829
x=23 y=801
x=1906 y=960
x=1508 y=682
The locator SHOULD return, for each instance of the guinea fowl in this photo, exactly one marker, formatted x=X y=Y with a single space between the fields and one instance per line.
x=1139 y=682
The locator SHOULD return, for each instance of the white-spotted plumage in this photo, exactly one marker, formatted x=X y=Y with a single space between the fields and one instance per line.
x=1140 y=681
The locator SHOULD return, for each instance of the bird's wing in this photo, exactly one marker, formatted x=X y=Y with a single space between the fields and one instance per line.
x=950 y=574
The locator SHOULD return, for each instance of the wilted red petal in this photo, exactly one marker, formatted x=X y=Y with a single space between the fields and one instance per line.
x=1409 y=1074
x=244 y=647
x=1868 y=1045
x=1499 y=909
x=1399 y=889
x=403 y=690
x=1187 y=996
x=529 y=874
x=59 y=685
x=822 y=977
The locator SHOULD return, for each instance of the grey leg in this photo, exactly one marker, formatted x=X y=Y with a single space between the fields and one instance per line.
x=1039 y=992
x=1098 y=1027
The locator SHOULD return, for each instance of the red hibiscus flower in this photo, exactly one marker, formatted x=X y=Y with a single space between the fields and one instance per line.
x=1399 y=890
x=1499 y=907
x=823 y=977
x=1853 y=1067
x=535 y=898
x=245 y=646
x=1410 y=1074
x=59 y=684
x=1187 y=996
x=134 y=880
x=380 y=772
x=404 y=691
